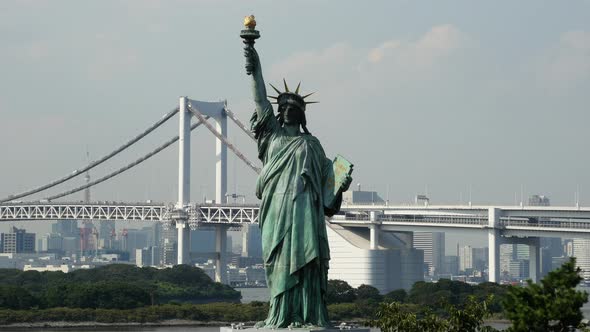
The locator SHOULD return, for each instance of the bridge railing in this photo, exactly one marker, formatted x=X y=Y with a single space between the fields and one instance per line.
x=456 y=220
x=552 y=223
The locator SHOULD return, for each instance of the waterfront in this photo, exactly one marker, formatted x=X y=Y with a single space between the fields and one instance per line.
x=248 y=295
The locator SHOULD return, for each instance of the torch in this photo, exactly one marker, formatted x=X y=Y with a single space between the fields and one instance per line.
x=250 y=34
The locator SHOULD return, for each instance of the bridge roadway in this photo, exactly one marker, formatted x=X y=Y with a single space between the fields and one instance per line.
x=502 y=224
x=392 y=218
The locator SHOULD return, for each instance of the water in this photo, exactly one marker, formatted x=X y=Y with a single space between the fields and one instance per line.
x=254 y=294
x=118 y=328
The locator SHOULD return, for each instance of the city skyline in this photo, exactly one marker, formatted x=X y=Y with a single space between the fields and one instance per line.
x=459 y=101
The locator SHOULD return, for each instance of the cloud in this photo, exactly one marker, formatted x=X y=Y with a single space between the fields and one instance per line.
x=373 y=70
x=439 y=42
x=567 y=63
x=377 y=54
x=423 y=53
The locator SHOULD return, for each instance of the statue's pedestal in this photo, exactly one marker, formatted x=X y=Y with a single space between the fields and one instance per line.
x=304 y=329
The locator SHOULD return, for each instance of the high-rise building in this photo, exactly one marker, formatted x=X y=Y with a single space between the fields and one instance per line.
x=362 y=197
x=550 y=246
x=521 y=251
x=519 y=269
x=553 y=245
x=51 y=242
x=169 y=247
x=512 y=257
x=146 y=256
x=169 y=253
x=539 y=200
x=480 y=258
x=251 y=241
x=451 y=265
x=141 y=257
x=87 y=239
x=465 y=258
x=106 y=229
x=65 y=227
x=433 y=245
x=70 y=244
x=506 y=256
x=582 y=253
x=17 y=241
x=137 y=239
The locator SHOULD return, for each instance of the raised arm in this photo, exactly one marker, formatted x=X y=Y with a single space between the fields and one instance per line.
x=254 y=69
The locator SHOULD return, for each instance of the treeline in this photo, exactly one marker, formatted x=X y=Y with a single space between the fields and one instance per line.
x=115 y=286
x=346 y=302
x=212 y=312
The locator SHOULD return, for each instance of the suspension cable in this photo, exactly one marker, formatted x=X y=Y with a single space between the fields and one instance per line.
x=239 y=123
x=203 y=120
x=93 y=164
x=122 y=169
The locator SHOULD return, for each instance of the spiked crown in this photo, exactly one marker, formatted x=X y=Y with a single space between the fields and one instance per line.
x=293 y=98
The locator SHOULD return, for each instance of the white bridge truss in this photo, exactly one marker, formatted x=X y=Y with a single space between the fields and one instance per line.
x=211 y=214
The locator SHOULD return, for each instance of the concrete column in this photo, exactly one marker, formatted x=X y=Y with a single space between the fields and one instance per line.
x=220 y=248
x=221 y=161
x=534 y=258
x=374 y=235
x=374 y=231
x=184 y=154
x=494 y=243
x=183 y=243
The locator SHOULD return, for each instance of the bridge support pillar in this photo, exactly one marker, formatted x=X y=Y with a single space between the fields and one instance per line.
x=494 y=242
x=374 y=236
x=534 y=258
x=183 y=243
x=374 y=231
x=221 y=251
x=221 y=161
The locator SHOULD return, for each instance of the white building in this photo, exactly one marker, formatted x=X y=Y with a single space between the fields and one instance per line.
x=48 y=268
x=394 y=264
x=581 y=250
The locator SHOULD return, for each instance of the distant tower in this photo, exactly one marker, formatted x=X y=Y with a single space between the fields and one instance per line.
x=96 y=238
x=124 y=235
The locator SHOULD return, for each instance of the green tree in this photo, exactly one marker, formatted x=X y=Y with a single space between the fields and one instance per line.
x=340 y=291
x=398 y=295
x=391 y=317
x=14 y=297
x=552 y=305
x=366 y=292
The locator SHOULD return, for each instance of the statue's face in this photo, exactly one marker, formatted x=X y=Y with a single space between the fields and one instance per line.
x=292 y=115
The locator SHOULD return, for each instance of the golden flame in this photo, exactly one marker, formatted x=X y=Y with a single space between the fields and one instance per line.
x=250 y=22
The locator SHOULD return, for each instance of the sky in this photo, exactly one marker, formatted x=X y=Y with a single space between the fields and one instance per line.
x=486 y=100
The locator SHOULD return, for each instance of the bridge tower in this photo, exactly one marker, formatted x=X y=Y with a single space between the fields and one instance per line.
x=216 y=111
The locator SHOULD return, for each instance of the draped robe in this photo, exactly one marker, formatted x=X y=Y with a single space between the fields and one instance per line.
x=294 y=241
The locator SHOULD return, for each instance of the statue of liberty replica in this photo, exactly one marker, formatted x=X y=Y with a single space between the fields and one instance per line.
x=298 y=186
